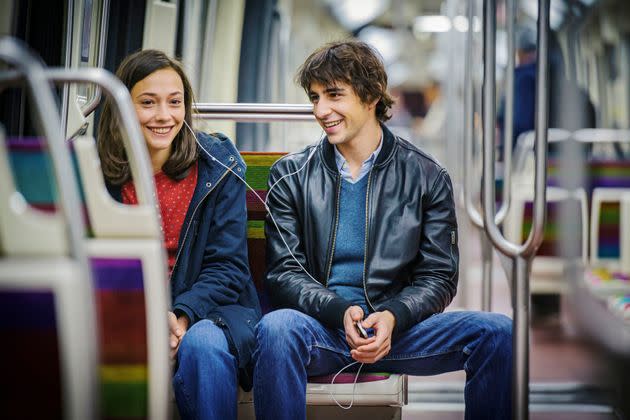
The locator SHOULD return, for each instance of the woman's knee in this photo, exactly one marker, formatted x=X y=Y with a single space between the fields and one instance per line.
x=203 y=339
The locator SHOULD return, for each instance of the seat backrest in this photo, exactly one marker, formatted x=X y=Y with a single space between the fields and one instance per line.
x=129 y=274
x=258 y=166
x=48 y=361
x=606 y=173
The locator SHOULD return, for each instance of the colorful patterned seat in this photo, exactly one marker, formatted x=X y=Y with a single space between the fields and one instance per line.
x=608 y=180
x=46 y=314
x=130 y=278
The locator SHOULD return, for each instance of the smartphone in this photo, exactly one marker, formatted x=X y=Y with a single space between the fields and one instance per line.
x=361 y=330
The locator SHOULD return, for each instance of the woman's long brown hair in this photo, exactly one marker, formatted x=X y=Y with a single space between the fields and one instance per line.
x=114 y=160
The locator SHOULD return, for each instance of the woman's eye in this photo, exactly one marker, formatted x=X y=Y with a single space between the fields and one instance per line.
x=146 y=102
x=176 y=101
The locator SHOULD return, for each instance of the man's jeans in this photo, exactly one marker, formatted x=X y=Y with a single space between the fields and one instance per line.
x=206 y=379
x=292 y=346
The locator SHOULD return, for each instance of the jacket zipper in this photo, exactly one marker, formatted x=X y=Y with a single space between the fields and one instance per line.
x=331 y=251
x=192 y=217
x=365 y=247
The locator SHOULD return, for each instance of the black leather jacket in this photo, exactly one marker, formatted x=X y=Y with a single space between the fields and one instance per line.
x=411 y=254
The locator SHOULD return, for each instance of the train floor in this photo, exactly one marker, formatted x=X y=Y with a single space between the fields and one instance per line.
x=568 y=374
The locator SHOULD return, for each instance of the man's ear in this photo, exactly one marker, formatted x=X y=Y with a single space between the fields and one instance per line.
x=372 y=104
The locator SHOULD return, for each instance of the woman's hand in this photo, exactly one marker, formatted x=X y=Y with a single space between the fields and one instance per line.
x=177 y=328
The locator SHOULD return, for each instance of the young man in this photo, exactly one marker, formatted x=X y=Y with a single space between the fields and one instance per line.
x=370 y=224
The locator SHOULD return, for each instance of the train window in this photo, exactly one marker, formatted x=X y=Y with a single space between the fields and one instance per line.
x=86 y=31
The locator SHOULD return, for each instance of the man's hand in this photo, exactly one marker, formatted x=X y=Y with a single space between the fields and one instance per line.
x=177 y=328
x=383 y=324
x=352 y=315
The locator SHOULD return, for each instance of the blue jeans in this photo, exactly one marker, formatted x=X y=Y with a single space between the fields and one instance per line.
x=205 y=383
x=292 y=346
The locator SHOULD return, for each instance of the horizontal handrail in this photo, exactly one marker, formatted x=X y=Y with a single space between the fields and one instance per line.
x=254 y=111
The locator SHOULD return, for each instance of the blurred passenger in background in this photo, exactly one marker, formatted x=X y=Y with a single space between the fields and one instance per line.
x=524 y=88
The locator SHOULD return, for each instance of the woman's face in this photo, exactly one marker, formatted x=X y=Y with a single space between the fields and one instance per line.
x=159 y=103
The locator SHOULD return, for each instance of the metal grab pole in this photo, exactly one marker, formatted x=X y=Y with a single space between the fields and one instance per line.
x=473 y=213
x=78 y=397
x=521 y=254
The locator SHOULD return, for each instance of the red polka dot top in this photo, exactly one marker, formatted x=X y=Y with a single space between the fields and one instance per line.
x=174 y=198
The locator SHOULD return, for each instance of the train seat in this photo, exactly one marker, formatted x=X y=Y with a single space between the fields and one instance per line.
x=548 y=265
x=48 y=354
x=609 y=180
x=372 y=389
x=129 y=273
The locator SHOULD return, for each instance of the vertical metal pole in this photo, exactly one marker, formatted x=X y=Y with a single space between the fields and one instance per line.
x=520 y=339
x=486 y=280
x=473 y=214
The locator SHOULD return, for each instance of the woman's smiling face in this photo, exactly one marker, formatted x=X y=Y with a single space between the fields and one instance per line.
x=159 y=103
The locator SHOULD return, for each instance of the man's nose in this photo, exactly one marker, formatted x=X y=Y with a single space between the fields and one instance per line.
x=321 y=109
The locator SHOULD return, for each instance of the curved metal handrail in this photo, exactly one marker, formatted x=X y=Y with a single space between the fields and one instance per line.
x=134 y=141
x=521 y=254
x=48 y=119
x=535 y=237
x=471 y=210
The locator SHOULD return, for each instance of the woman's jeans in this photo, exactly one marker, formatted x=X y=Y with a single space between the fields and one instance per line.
x=205 y=383
x=292 y=346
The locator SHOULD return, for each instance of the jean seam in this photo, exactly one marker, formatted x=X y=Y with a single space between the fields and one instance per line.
x=188 y=400
x=422 y=355
x=335 y=350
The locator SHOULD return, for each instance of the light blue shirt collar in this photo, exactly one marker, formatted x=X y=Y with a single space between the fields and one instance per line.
x=344 y=167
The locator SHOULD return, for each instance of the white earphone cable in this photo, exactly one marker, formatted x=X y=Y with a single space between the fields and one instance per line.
x=264 y=202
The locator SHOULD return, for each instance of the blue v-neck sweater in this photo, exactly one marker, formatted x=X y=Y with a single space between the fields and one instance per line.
x=346 y=277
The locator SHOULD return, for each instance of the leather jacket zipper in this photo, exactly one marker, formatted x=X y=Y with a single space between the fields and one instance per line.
x=192 y=217
x=367 y=233
x=331 y=250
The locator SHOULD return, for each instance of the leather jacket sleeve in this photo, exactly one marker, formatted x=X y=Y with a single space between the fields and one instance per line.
x=288 y=283
x=433 y=280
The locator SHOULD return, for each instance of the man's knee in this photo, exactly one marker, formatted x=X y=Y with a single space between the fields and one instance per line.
x=279 y=327
x=499 y=327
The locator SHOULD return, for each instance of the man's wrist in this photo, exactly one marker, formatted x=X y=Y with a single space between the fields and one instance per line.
x=392 y=317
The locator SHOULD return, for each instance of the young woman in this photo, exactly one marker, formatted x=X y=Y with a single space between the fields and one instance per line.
x=204 y=220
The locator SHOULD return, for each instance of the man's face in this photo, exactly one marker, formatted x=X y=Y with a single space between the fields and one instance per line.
x=341 y=113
